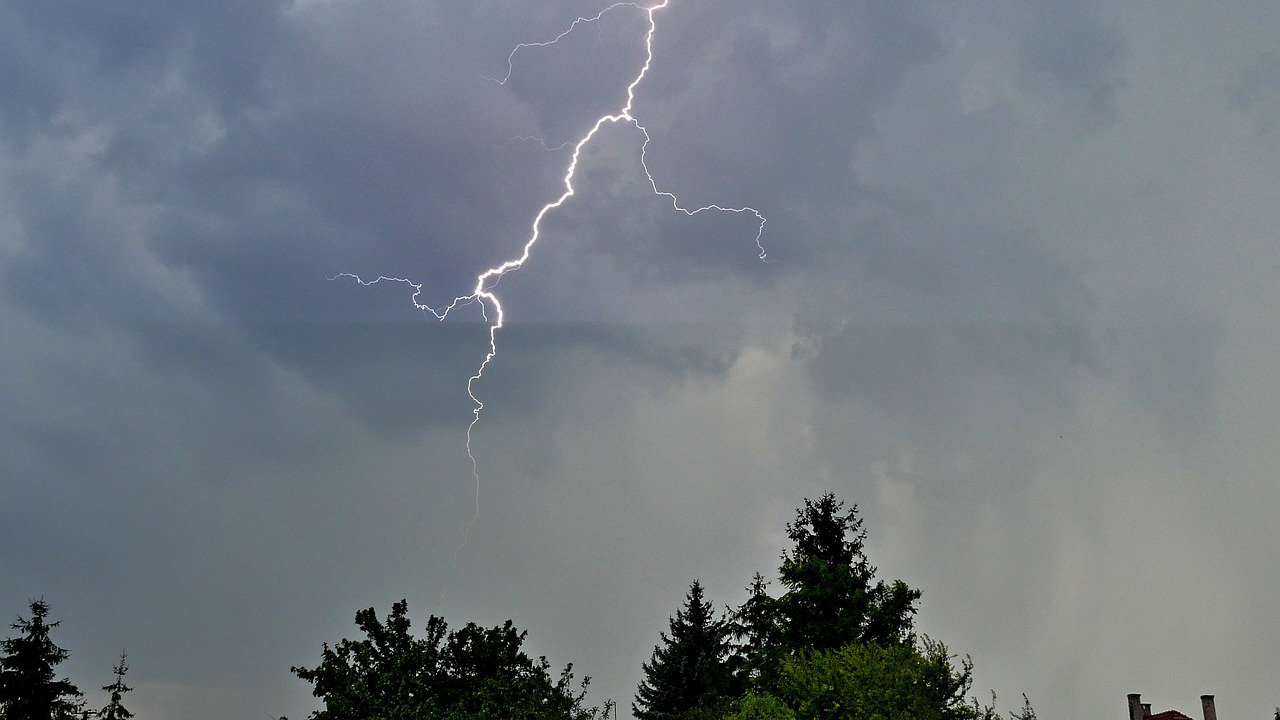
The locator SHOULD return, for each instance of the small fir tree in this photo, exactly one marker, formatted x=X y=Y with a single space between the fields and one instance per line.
x=690 y=669
x=755 y=630
x=29 y=689
x=114 y=709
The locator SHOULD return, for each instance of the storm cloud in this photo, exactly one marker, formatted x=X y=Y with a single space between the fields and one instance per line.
x=1019 y=306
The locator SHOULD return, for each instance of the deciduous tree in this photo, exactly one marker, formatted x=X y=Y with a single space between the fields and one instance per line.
x=903 y=681
x=473 y=673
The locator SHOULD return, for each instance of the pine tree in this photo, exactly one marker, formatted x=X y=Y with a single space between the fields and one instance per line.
x=28 y=690
x=755 y=629
x=690 y=669
x=114 y=710
x=831 y=597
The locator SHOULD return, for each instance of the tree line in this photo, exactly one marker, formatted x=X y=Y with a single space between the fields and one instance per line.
x=835 y=642
x=30 y=688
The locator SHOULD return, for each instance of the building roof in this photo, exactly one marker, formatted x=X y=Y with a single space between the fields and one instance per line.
x=1167 y=715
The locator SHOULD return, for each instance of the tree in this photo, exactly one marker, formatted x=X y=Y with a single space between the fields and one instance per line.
x=754 y=626
x=114 y=709
x=28 y=688
x=837 y=643
x=1029 y=713
x=904 y=681
x=830 y=599
x=468 y=674
x=690 y=668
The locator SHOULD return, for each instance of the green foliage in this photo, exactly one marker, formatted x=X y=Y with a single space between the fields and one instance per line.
x=830 y=599
x=473 y=673
x=688 y=674
x=762 y=707
x=28 y=688
x=837 y=643
x=866 y=680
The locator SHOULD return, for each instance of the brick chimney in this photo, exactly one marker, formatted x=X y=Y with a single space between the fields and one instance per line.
x=1135 y=706
x=1206 y=702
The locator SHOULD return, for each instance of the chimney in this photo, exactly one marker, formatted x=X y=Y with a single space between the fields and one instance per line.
x=1135 y=706
x=1146 y=710
x=1206 y=702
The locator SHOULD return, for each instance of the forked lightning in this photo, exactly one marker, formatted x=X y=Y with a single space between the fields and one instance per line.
x=483 y=291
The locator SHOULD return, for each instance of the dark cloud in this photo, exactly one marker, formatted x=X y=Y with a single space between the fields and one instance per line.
x=775 y=104
x=994 y=235
x=1073 y=52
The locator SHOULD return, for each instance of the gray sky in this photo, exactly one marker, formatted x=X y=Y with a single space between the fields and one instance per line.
x=1021 y=309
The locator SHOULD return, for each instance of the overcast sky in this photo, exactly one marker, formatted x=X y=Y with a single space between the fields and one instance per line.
x=1020 y=307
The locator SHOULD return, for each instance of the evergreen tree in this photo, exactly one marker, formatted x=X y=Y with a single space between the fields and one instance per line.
x=28 y=688
x=831 y=598
x=690 y=669
x=837 y=643
x=755 y=628
x=114 y=709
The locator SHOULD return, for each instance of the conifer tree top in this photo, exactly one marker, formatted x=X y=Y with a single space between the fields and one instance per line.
x=28 y=688
x=690 y=667
x=832 y=597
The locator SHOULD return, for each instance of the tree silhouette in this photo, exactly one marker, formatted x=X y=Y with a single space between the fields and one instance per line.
x=28 y=688
x=114 y=709
x=690 y=667
x=754 y=627
x=470 y=674
x=831 y=597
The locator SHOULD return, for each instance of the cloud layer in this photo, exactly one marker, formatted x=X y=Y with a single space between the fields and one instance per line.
x=1020 y=308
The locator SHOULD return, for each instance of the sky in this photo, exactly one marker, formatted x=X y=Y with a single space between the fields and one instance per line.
x=1019 y=307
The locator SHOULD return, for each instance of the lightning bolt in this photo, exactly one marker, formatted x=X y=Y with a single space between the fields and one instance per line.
x=483 y=291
